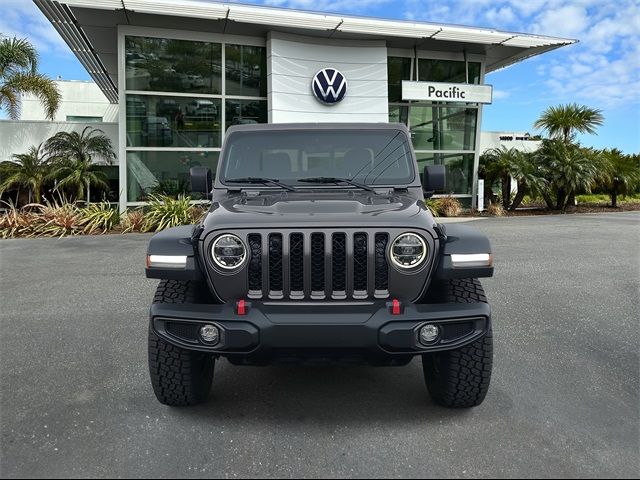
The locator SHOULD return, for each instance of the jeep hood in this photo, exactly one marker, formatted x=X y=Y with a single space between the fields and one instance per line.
x=313 y=209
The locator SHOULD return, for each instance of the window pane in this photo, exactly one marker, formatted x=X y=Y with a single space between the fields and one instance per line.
x=246 y=71
x=474 y=73
x=155 y=121
x=240 y=112
x=399 y=114
x=83 y=119
x=430 y=70
x=443 y=128
x=398 y=69
x=113 y=180
x=459 y=168
x=167 y=65
x=163 y=172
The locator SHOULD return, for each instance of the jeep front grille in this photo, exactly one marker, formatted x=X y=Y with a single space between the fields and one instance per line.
x=318 y=265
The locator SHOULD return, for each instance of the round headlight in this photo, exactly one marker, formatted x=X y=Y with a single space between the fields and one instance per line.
x=408 y=250
x=228 y=251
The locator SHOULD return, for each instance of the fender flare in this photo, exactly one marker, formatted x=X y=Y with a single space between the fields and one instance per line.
x=459 y=239
x=179 y=245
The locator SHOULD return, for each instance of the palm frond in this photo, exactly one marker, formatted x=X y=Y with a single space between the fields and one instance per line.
x=37 y=84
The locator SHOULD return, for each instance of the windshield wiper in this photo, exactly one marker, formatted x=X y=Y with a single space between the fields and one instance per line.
x=336 y=180
x=264 y=181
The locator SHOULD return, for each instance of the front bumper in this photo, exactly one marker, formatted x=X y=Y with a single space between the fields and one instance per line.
x=268 y=329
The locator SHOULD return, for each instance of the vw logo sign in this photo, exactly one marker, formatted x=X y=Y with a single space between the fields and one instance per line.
x=329 y=86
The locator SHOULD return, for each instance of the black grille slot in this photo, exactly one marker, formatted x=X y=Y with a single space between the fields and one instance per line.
x=255 y=262
x=184 y=331
x=317 y=262
x=275 y=262
x=360 y=262
x=381 y=265
x=339 y=262
x=296 y=262
x=454 y=331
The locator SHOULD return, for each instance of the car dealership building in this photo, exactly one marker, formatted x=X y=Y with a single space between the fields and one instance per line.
x=183 y=71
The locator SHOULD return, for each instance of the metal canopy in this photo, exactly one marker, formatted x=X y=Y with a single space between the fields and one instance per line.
x=89 y=27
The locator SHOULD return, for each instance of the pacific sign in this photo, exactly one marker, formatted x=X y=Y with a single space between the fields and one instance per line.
x=447 y=92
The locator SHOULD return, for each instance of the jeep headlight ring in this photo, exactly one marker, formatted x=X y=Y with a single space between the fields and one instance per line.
x=228 y=252
x=408 y=251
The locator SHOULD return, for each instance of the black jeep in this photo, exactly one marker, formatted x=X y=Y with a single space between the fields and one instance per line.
x=318 y=248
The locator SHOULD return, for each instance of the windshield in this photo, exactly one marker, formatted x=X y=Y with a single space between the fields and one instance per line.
x=371 y=157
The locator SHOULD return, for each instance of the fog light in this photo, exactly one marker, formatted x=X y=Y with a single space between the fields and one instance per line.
x=429 y=334
x=210 y=334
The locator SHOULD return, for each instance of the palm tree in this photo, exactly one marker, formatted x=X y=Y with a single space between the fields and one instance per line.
x=19 y=75
x=29 y=170
x=507 y=164
x=621 y=173
x=78 y=174
x=91 y=142
x=567 y=169
x=76 y=152
x=564 y=121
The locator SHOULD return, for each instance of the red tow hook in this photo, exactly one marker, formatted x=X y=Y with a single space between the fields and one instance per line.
x=395 y=307
x=241 y=307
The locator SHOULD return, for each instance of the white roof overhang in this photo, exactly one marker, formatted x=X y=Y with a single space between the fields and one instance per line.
x=89 y=27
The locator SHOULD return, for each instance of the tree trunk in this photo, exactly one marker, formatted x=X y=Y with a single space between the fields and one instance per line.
x=548 y=201
x=614 y=195
x=560 y=199
x=522 y=191
x=569 y=202
x=506 y=191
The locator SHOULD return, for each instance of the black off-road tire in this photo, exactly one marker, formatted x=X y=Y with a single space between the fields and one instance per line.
x=459 y=378
x=179 y=377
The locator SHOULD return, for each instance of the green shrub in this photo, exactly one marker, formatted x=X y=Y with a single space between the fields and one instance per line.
x=55 y=219
x=166 y=212
x=99 y=217
x=15 y=222
x=432 y=207
x=605 y=200
x=61 y=218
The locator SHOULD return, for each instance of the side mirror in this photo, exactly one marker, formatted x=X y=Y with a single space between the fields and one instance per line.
x=201 y=180
x=433 y=179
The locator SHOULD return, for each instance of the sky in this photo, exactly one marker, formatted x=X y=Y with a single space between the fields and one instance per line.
x=601 y=71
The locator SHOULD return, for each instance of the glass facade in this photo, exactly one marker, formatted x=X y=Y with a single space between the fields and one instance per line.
x=159 y=121
x=165 y=172
x=442 y=133
x=459 y=169
x=246 y=71
x=442 y=128
x=181 y=96
x=168 y=65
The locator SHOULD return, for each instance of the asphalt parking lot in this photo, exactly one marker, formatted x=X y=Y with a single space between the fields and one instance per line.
x=564 y=402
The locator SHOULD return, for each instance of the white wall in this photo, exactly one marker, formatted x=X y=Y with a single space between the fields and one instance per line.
x=294 y=60
x=18 y=136
x=490 y=140
x=79 y=98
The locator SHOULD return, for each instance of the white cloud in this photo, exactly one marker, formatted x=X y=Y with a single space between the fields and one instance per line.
x=22 y=19
x=602 y=70
x=501 y=94
x=330 y=6
x=567 y=21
